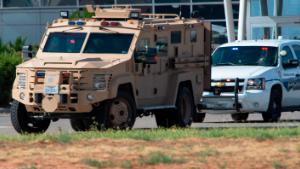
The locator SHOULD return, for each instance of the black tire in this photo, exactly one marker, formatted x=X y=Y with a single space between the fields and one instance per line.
x=185 y=108
x=165 y=118
x=199 y=117
x=23 y=123
x=273 y=113
x=240 y=117
x=118 y=113
x=81 y=124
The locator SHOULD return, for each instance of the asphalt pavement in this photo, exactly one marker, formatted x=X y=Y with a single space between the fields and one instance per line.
x=288 y=119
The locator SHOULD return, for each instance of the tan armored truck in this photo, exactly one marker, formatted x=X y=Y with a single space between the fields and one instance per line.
x=109 y=69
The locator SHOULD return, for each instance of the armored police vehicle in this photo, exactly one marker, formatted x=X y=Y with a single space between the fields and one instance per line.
x=109 y=69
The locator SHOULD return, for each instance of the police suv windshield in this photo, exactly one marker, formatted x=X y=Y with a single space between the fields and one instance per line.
x=245 y=55
x=60 y=42
x=98 y=43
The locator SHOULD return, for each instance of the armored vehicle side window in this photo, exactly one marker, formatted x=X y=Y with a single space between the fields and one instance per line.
x=289 y=55
x=142 y=45
x=297 y=50
x=162 y=46
x=59 y=42
x=176 y=37
x=193 y=36
x=108 y=43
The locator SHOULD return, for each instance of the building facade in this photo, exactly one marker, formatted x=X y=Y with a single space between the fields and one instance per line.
x=28 y=18
x=269 y=19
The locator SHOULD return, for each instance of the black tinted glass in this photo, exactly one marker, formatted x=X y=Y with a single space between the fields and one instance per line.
x=64 y=42
x=108 y=43
x=245 y=55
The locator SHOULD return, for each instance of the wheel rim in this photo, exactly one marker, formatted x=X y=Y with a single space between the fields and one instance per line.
x=119 y=113
x=185 y=109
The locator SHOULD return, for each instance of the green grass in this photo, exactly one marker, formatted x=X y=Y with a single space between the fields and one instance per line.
x=126 y=164
x=155 y=158
x=277 y=165
x=161 y=134
x=208 y=152
x=96 y=163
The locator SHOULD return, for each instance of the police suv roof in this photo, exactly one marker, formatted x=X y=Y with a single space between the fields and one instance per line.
x=273 y=43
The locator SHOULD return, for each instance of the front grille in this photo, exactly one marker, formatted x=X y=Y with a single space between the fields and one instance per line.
x=226 y=89
x=226 y=86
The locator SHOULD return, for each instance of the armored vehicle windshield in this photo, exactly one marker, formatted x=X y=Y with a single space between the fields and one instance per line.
x=104 y=43
x=60 y=42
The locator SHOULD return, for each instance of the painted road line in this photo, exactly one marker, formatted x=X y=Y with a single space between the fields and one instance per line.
x=5 y=127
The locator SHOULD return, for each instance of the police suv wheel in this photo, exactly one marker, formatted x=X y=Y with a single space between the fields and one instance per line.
x=273 y=113
x=240 y=117
x=185 y=107
x=23 y=123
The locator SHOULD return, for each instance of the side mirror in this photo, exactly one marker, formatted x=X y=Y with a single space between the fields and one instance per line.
x=291 y=63
x=147 y=57
x=283 y=53
x=27 y=53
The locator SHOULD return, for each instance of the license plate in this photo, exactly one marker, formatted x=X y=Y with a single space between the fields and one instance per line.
x=51 y=89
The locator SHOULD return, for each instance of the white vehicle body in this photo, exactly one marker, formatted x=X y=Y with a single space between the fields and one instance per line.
x=223 y=95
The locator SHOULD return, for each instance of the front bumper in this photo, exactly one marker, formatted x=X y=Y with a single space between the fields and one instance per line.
x=74 y=93
x=246 y=102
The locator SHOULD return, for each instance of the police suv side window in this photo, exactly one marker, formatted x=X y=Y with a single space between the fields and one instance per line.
x=289 y=55
x=297 y=51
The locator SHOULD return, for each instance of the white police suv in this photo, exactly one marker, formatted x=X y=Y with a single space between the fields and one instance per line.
x=254 y=76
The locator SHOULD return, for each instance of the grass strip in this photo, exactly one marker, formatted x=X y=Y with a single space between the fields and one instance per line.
x=160 y=134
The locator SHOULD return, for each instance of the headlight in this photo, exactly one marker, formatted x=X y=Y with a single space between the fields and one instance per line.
x=100 y=81
x=256 y=84
x=22 y=81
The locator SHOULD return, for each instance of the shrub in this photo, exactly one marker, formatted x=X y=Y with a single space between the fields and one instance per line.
x=10 y=57
x=8 y=62
x=78 y=14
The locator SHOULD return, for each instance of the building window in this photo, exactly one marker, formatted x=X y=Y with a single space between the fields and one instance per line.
x=171 y=1
x=58 y=2
x=193 y=36
x=290 y=31
x=183 y=10
x=21 y=3
x=213 y=11
x=131 y=2
x=208 y=1
x=262 y=33
x=290 y=8
x=144 y=9
x=176 y=37
x=96 y=2
x=262 y=7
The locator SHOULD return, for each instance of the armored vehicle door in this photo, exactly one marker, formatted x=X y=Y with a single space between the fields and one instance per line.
x=144 y=78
